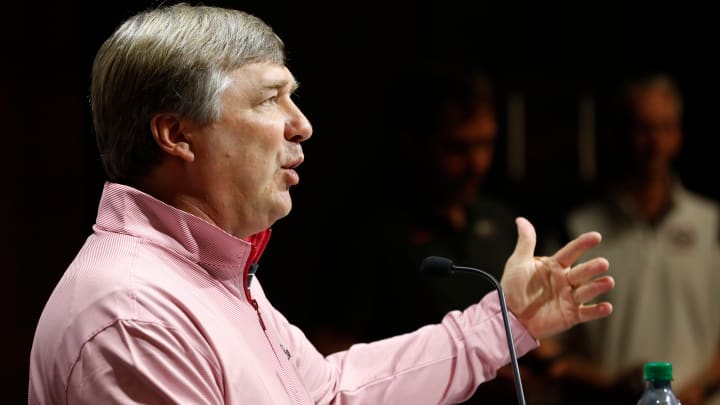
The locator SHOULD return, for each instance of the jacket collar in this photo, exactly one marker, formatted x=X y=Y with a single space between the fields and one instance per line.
x=126 y=210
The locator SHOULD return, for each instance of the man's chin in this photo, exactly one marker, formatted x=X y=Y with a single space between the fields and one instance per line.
x=283 y=208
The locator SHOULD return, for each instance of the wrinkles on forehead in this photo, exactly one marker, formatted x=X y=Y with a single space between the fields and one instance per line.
x=263 y=77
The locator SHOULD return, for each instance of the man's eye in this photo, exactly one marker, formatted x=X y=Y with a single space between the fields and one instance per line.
x=270 y=100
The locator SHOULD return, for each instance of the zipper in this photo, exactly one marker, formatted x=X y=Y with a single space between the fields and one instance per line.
x=257 y=309
x=257 y=246
x=258 y=243
x=246 y=285
x=287 y=380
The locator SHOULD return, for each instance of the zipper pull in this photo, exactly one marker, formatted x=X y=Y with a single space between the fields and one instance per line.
x=257 y=309
x=251 y=273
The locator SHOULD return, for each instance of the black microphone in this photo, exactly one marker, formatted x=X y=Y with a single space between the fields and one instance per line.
x=441 y=266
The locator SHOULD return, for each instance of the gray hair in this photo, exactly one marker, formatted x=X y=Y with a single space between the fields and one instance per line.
x=175 y=59
x=651 y=81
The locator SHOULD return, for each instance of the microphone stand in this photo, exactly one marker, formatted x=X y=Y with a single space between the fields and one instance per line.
x=441 y=266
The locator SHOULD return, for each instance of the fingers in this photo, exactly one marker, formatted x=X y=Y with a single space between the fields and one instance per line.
x=590 y=291
x=584 y=272
x=572 y=251
x=593 y=289
x=595 y=311
x=525 y=246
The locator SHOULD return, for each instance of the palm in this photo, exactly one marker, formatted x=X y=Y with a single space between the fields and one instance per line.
x=547 y=294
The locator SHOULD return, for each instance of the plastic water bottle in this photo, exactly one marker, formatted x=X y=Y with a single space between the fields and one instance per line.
x=657 y=385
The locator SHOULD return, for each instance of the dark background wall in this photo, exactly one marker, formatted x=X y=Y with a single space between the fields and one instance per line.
x=345 y=55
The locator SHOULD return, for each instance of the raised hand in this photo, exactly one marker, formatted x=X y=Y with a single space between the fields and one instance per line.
x=548 y=294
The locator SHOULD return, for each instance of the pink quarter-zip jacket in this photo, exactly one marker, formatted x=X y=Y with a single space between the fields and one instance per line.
x=160 y=307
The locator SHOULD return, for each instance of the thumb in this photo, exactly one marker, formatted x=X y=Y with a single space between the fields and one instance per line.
x=525 y=246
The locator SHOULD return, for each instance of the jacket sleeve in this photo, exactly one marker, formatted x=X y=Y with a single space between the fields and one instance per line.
x=437 y=364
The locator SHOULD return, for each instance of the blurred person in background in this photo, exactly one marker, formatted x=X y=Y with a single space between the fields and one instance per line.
x=663 y=242
x=439 y=200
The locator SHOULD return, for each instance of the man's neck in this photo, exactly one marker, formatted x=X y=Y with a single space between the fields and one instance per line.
x=652 y=196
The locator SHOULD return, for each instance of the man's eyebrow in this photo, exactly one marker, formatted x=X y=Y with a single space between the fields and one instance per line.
x=274 y=85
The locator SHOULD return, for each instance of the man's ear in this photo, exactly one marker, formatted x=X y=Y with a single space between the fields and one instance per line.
x=168 y=130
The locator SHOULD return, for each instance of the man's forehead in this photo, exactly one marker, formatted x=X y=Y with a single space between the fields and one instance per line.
x=264 y=75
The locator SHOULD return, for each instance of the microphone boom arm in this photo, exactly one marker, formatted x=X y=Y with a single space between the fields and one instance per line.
x=441 y=266
x=508 y=332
